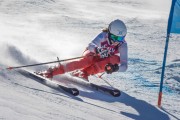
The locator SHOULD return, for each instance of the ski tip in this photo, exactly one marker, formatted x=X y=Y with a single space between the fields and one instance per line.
x=116 y=93
x=74 y=91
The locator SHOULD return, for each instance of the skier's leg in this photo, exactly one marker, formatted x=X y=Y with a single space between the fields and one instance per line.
x=86 y=61
x=98 y=67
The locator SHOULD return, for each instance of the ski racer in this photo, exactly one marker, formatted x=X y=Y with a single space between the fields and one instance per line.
x=108 y=52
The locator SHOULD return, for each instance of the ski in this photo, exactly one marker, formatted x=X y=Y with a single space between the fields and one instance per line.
x=43 y=80
x=111 y=91
x=114 y=92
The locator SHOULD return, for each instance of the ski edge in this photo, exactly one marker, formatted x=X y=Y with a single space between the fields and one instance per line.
x=72 y=91
x=114 y=92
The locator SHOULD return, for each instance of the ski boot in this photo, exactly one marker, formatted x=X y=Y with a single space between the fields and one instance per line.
x=47 y=73
x=52 y=71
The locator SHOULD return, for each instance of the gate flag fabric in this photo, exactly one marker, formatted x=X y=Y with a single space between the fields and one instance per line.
x=174 y=17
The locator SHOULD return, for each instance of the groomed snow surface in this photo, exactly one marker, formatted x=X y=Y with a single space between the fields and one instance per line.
x=34 y=31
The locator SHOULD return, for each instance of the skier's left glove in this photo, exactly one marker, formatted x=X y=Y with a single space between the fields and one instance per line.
x=110 y=68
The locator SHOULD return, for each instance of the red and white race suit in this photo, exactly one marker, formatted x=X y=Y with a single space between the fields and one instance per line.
x=91 y=63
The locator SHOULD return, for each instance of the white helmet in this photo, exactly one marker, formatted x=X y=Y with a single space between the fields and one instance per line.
x=118 y=28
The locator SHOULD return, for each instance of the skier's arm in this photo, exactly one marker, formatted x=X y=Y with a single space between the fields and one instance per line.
x=123 y=50
x=95 y=43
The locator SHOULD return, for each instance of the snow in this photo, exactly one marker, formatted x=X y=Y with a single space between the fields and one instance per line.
x=33 y=31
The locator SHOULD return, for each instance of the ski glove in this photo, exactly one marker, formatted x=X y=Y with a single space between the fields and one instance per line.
x=110 y=68
x=102 y=52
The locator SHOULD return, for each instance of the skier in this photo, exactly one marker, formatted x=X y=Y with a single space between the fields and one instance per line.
x=108 y=53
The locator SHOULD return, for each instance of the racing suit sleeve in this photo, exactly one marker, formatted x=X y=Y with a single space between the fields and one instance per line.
x=96 y=42
x=123 y=50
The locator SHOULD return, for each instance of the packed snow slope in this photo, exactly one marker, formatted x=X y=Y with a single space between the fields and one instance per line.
x=33 y=31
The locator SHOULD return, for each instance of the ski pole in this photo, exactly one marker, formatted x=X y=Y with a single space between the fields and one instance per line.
x=100 y=76
x=107 y=82
x=10 y=68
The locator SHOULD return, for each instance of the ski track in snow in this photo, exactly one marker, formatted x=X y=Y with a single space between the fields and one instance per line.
x=34 y=31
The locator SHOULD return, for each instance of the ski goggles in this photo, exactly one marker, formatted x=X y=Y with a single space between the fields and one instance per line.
x=116 y=38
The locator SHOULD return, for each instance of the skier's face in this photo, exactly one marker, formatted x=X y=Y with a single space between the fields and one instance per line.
x=116 y=38
x=115 y=43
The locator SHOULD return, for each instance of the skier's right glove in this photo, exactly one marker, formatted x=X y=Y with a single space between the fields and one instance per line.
x=102 y=52
x=110 y=68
